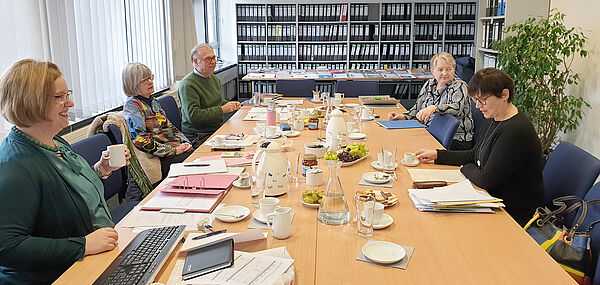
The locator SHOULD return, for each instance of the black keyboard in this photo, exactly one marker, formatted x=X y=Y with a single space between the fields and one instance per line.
x=139 y=262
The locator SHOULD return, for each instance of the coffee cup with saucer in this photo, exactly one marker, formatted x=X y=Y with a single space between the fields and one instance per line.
x=410 y=159
x=244 y=181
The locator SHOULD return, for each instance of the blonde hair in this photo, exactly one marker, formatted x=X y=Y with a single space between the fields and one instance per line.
x=133 y=74
x=195 y=53
x=26 y=91
x=448 y=58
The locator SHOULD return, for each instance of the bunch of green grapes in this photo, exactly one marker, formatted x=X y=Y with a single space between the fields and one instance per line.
x=331 y=155
x=312 y=196
x=357 y=149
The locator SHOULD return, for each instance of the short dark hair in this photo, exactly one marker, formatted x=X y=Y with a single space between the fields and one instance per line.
x=491 y=81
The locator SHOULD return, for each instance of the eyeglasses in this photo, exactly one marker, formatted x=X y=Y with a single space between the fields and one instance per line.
x=62 y=98
x=148 y=79
x=209 y=59
x=480 y=100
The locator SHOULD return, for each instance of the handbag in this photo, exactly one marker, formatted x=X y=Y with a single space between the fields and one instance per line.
x=569 y=247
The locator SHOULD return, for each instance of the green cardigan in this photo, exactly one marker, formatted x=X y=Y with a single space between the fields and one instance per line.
x=201 y=102
x=43 y=220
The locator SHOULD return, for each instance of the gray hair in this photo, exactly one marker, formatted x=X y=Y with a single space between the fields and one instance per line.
x=133 y=74
x=448 y=58
x=196 y=49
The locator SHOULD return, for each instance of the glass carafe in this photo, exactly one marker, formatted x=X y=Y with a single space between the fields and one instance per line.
x=334 y=209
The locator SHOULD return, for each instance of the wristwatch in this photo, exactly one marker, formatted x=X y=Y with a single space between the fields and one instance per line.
x=99 y=172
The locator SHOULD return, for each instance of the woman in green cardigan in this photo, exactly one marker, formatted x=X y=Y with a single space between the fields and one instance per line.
x=52 y=207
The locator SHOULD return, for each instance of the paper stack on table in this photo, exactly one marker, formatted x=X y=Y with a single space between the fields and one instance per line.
x=420 y=175
x=459 y=197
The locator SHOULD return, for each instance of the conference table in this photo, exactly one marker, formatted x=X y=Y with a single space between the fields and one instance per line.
x=450 y=248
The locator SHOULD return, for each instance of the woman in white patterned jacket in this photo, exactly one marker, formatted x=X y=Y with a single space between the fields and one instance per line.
x=444 y=94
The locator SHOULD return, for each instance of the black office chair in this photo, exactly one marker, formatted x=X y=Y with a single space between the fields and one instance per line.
x=169 y=104
x=443 y=128
x=357 y=88
x=296 y=88
x=91 y=150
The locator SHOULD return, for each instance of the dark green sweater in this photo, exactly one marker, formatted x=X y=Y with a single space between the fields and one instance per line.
x=43 y=220
x=201 y=103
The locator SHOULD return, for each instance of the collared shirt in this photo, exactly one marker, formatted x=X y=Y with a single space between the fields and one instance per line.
x=450 y=99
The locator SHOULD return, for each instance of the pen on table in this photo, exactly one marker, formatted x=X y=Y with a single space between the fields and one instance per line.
x=209 y=234
x=196 y=164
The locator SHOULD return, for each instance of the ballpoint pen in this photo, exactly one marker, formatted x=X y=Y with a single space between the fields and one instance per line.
x=209 y=234
x=196 y=165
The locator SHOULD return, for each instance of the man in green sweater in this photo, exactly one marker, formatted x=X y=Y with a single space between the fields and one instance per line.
x=202 y=106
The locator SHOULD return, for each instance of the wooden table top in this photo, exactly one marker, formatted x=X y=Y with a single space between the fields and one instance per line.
x=450 y=248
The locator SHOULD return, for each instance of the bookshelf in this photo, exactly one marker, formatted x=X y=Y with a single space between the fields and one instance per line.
x=351 y=34
x=494 y=16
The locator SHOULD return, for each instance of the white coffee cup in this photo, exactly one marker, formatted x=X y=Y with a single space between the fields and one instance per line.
x=382 y=160
x=218 y=141
x=365 y=114
x=271 y=132
x=299 y=125
x=336 y=102
x=409 y=157
x=314 y=177
x=339 y=96
x=116 y=155
x=268 y=205
x=377 y=212
x=244 y=179
x=316 y=96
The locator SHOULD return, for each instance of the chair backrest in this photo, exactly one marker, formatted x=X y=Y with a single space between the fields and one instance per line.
x=357 y=88
x=478 y=120
x=593 y=214
x=296 y=88
x=569 y=170
x=169 y=104
x=465 y=67
x=116 y=133
x=91 y=150
x=443 y=128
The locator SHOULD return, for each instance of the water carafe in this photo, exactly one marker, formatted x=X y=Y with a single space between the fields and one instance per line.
x=334 y=209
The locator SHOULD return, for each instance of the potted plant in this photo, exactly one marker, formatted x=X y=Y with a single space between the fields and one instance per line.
x=538 y=54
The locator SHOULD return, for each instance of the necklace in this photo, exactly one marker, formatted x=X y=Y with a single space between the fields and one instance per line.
x=486 y=141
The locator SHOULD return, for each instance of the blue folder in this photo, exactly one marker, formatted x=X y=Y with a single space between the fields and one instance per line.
x=401 y=124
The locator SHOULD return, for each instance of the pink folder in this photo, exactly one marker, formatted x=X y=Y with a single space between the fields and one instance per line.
x=203 y=181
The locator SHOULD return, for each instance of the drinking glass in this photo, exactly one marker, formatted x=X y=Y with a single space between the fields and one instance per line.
x=260 y=128
x=365 y=207
x=388 y=158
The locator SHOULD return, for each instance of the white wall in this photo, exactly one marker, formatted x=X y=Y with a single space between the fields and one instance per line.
x=584 y=14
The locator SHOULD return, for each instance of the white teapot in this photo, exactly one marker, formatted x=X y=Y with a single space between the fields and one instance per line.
x=272 y=171
x=336 y=126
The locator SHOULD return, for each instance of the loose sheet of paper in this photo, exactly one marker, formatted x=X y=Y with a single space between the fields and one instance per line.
x=188 y=168
x=191 y=202
x=139 y=218
x=418 y=175
x=248 y=268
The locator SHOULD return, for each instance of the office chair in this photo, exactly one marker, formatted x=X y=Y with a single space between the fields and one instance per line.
x=443 y=128
x=91 y=150
x=357 y=88
x=478 y=120
x=296 y=88
x=169 y=104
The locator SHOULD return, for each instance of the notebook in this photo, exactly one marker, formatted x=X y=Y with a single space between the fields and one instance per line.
x=401 y=124
x=212 y=257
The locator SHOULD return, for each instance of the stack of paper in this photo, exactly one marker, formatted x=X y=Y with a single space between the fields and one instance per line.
x=191 y=168
x=244 y=160
x=421 y=175
x=459 y=197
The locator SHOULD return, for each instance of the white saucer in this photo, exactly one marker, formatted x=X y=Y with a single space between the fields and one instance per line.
x=351 y=105
x=415 y=163
x=291 y=134
x=231 y=210
x=366 y=120
x=236 y=183
x=258 y=215
x=356 y=136
x=377 y=166
x=385 y=221
x=383 y=252
x=315 y=101
x=377 y=177
x=314 y=206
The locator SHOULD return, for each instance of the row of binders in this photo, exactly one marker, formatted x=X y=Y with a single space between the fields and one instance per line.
x=282 y=52
x=460 y=31
x=251 y=32
x=322 y=52
x=250 y=13
x=492 y=32
x=323 y=13
x=429 y=11
x=364 y=32
x=281 y=13
x=321 y=32
x=395 y=32
x=460 y=197
x=423 y=51
x=395 y=51
x=281 y=33
x=364 y=52
x=495 y=8
x=460 y=49
x=463 y=11
x=429 y=31
x=360 y=12
x=395 y=12
x=251 y=52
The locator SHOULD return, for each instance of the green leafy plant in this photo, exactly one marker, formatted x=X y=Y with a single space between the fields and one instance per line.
x=538 y=54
